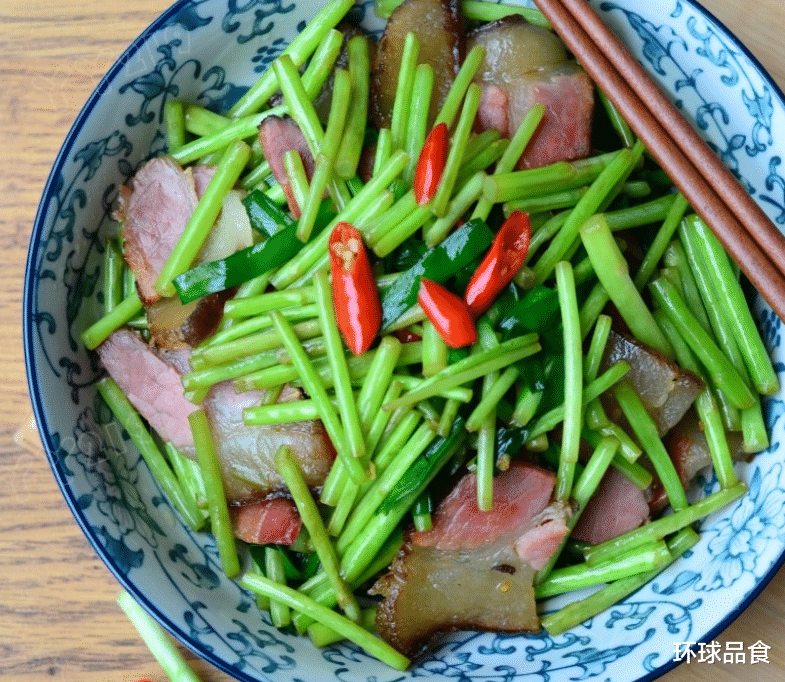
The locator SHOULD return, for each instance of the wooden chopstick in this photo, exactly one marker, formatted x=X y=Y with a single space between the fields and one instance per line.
x=717 y=175
x=745 y=231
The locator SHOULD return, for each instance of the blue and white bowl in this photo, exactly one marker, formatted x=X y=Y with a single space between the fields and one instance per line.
x=208 y=51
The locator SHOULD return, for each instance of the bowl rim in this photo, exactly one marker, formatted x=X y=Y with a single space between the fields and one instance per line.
x=38 y=401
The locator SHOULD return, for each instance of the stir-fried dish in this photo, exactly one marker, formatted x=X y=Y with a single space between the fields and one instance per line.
x=419 y=329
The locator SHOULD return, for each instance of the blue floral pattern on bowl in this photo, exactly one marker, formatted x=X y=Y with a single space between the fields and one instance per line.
x=209 y=51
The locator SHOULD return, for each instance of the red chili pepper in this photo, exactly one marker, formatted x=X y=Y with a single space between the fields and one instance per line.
x=448 y=313
x=503 y=260
x=358 y=309
x=406 y=336
x=430 y=165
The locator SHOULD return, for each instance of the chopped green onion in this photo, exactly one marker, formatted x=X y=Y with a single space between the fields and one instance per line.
x=573 y=380
x=613 y=272
x=174 y=120
x=163 y=649
x=312 y=520
x=421 y=513
x=220 y=522
x=247 y=263
x=132 y=422
x=458 y=250
x=264 y=215
x=99 y=331
x=347 y=408
x=348 y=154
x=302 y=47
x=315 y=387
x=399 y=120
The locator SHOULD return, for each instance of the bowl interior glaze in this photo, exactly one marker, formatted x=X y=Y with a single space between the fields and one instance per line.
x=209 y=51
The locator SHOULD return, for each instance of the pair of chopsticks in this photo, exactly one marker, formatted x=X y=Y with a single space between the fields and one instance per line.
x=745 y=231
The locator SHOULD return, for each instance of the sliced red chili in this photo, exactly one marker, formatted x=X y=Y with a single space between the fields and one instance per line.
x=448 y=313
x=430 y=165
x=505 y=257
x=358 y=309
x=406 y=336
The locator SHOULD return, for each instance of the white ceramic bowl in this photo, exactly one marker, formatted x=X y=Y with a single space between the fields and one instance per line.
x=208 y=52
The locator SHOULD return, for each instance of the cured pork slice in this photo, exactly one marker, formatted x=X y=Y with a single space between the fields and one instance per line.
x=666 y=389
x=616 y=507
x=154 y=211
x=271 y=521
x=438 y=26
x=152 y=384
x=525 y=65
x=247 y=453
x=473 y=569
x=277 y=136
x=151 y=379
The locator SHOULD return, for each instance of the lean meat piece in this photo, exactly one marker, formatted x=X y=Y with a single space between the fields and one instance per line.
x=277 y=136
x=152 y=381
x=154 y=212
x=617 y=506
x=152 y=385
x=274 y=520
x=473 y=569
x=525 y=65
